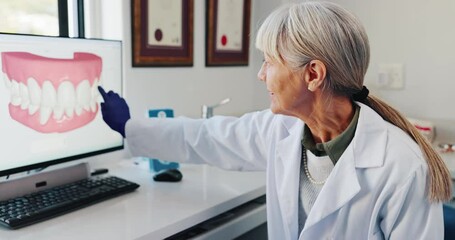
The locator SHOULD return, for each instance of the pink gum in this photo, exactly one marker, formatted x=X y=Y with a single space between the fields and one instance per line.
x=22 y=65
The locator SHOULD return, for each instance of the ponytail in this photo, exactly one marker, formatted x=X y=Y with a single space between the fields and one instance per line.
x=301 y=32
x=440 y=181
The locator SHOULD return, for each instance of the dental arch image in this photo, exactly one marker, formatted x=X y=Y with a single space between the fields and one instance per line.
x=52 y=95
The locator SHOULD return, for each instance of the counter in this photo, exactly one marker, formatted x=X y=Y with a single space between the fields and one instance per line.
x=156 y=210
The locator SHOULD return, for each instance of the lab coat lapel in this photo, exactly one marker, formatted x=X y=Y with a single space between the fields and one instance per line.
x=341 y=186
x=366 y=150
x=287 y=177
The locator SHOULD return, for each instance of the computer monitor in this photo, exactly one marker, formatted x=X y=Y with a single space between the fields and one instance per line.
x=49 y=101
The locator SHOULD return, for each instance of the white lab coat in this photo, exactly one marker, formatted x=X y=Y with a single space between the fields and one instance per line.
x=375 y=191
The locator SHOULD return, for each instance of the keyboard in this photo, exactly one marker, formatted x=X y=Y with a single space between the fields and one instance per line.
x=36 y=207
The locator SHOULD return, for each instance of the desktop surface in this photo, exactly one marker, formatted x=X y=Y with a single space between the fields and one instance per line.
x=42 y=205
x=156 y=210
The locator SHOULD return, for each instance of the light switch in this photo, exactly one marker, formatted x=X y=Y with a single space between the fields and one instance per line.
x=390 y=76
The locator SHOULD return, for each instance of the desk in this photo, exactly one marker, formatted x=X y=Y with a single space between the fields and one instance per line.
x=155 y=210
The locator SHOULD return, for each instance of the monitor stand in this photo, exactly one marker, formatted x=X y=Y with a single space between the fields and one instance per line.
x=42 y=181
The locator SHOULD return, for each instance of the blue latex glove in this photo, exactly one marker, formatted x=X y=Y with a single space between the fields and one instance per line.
x=115 y=111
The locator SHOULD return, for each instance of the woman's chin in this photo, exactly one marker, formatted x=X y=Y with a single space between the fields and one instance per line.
x=275 y=109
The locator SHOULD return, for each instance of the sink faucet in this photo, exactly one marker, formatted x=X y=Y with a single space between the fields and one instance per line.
x=207 y=111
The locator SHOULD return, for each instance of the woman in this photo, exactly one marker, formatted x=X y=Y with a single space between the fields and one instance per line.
x=340 y=163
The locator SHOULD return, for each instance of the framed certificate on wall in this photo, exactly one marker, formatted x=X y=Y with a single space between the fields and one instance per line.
x=162 y=32
x=227 y=32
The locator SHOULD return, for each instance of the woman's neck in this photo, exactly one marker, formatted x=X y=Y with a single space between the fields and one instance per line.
x=330 y=118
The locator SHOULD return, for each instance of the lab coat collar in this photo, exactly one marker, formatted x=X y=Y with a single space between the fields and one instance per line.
x=287 y=177
x=366 y=150
x=370 y=139
x=370 y=136
x=341 y=186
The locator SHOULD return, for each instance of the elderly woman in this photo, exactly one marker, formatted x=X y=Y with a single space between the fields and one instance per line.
x=340 y=163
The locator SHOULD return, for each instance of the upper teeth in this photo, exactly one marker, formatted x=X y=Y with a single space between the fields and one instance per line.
x=65 y=100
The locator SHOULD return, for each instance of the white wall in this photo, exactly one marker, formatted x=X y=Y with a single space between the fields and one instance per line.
x=416 y=33
x=419 y=34
x=185 y=89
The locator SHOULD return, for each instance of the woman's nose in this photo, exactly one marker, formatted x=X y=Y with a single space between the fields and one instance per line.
x=261 y=74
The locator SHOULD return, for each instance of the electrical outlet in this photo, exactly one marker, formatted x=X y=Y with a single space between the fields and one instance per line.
x=391 y=76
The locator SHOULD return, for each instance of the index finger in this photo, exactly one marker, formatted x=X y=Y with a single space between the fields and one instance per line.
x=102 y=92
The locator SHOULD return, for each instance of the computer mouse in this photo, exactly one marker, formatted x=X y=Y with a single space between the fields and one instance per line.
x=168 y=175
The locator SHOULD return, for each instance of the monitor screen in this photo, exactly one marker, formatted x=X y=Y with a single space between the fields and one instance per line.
x=49 y=101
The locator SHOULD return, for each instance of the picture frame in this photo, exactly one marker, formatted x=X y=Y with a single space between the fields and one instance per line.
x=227 y=32
x=162 y=33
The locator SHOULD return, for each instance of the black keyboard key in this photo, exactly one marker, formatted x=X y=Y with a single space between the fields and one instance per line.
x=32 y=208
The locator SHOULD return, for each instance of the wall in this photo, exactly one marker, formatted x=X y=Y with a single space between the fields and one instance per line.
x=416 y=33
x=420 y=35
x=186 y=89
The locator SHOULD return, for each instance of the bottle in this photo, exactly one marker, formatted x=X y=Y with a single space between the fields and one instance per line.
x=157 y=165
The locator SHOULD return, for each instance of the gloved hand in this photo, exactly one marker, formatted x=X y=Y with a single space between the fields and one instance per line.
x=115 y=110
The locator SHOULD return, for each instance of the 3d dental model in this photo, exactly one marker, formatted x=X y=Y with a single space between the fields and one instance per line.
x=52 y=94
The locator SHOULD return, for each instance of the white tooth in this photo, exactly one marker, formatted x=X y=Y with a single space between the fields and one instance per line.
x=15 y=100
x=32 y=109
x=6 y=80
x=14 y=88
x=49 y=95
x=23 y=91
x=69 y=111
x=15 y=97
x=95 y=95
x=66 y=97
x=24 y=105
x=58 y=112
x=78 y=110
x=83 y=95
x=34 y=90
x=94 y=91
x=93 y=105
x=45 y=113
x=66 y=94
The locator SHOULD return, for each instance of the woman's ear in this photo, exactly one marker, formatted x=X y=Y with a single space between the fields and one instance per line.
x=315 y=73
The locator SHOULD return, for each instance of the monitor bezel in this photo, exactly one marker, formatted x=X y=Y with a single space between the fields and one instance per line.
x=51 y=162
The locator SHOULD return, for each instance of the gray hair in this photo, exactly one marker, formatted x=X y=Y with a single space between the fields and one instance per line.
x=298 y=33
x=301 y=32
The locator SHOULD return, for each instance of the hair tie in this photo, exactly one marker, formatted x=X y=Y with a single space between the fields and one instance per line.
x=361 y=95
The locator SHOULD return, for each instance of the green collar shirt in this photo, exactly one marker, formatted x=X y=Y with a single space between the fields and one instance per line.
x=335 y=147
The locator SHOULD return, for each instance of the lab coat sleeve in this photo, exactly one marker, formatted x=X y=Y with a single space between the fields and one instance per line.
x=227 y=142
x=409 y=215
